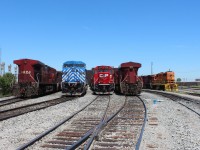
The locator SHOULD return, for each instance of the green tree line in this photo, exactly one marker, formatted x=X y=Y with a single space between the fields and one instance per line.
x=6 y=82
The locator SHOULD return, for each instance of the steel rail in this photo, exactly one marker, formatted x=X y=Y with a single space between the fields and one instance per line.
x=29 y=105
x=10 y=101
x=53 y=128
x=190 y=108
x=98 y=128
x=9 y=113
x=143 y=126
x=169 y=95
x=93 y=132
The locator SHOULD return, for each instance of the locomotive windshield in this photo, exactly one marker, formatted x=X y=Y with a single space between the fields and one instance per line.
x=104 y=70
x=73 y=65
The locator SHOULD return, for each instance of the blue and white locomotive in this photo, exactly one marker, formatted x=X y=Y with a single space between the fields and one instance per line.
x=74 y=78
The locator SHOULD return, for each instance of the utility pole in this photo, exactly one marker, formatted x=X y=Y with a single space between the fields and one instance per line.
x=0 y=63
x=3 y=68
x=9 y=68
x=151 y=68
x=16 y=68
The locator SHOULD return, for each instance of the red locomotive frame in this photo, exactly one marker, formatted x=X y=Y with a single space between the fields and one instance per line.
x=102 y=81
x=35 y=78
x=126 y=79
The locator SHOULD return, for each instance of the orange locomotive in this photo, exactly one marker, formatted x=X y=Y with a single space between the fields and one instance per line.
x=162 y=81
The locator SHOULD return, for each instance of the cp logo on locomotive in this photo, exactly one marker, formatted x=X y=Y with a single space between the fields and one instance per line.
x=103 y=75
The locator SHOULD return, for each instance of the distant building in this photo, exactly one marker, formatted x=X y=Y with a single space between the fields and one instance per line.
x=195 y=83
x=198 y=80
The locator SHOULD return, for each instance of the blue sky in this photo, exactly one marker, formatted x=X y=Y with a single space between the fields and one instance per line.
x=104 y=32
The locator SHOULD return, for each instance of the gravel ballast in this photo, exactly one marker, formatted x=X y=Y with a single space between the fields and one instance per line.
x=19 y=130
x=31 y=101
x=115 y=103
x=170 y=125
x=5 y=98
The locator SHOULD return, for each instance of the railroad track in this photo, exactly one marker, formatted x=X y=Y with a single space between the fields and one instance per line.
x=39 y=137
x=10 y=101
x=125 y=130
x=82 y=126
x=109 y=129
x=193 y=94
x=190 y=92
x=184 y=101
x=6 y=114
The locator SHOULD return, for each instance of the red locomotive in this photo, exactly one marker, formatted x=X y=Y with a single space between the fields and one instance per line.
x=126 y=79
x=35 y=78
x=102 y=81
x=147 y=81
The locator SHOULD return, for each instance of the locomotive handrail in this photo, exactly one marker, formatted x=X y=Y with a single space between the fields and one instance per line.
x=140 y=79
x=32 y=77
x=125 y=78
x=29 y=75
x=96 y=80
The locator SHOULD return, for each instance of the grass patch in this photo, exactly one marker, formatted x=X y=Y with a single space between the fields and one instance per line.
x=7 y=95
